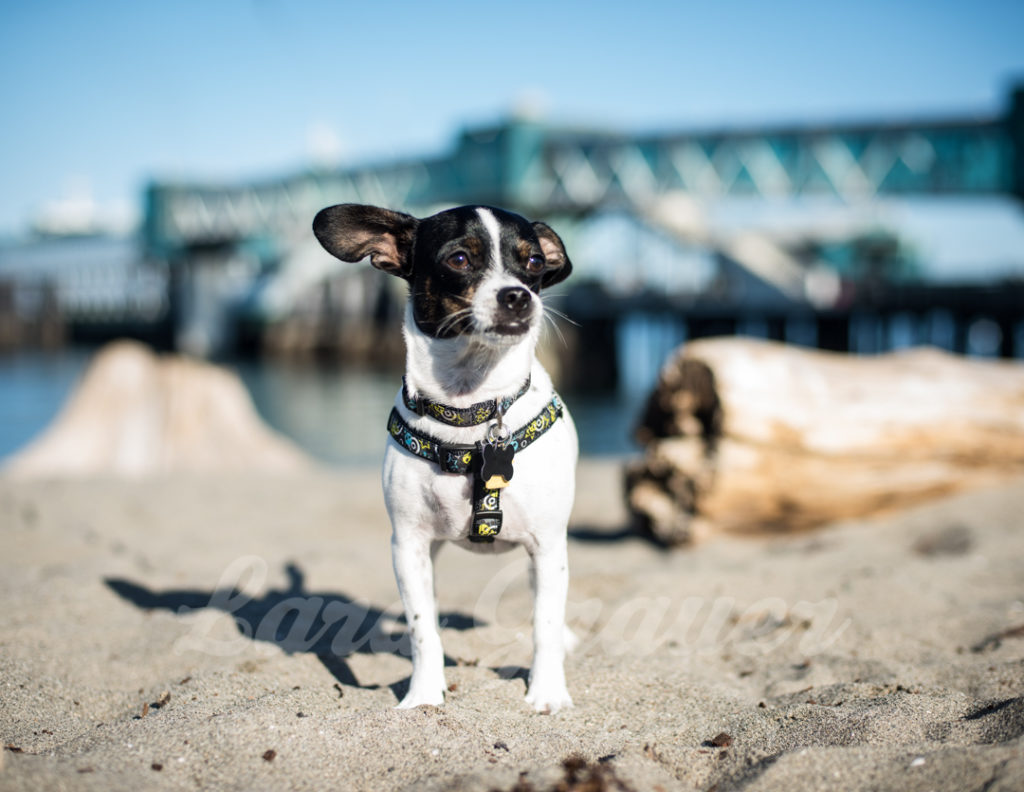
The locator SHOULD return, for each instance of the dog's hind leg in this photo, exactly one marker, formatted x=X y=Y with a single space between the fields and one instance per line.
x=569 y=640
x=550 y=577
x=414 y=571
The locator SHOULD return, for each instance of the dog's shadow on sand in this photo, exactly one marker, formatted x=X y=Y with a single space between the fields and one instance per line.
x=329 y=625
x=588 y=534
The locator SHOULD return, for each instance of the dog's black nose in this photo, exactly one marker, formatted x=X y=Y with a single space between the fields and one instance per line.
x=514 y=299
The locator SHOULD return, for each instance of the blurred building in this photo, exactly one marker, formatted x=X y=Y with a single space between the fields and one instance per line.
x=56 y=287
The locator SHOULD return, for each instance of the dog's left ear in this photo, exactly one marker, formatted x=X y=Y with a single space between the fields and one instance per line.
x=558 y=264
x=352 y=232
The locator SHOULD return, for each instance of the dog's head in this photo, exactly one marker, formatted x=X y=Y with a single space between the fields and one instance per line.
x=474 y=270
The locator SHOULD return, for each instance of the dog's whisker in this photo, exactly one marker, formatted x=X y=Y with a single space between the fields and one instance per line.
x=558 y=331
x=446 y=325
x=549 y=310
x=452 y=320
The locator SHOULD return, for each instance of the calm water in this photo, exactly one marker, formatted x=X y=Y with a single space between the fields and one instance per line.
x=33 y=386
x=337 y=415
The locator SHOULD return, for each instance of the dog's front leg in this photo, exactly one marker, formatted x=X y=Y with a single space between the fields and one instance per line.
x=550 y=578
x=414 y=570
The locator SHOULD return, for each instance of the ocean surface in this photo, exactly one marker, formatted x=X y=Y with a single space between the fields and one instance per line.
x=336 y=414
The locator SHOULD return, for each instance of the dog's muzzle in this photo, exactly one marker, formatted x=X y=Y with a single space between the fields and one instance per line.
x=514 y=310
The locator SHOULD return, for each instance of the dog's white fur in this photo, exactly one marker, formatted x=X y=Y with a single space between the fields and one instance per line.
x=427 y=506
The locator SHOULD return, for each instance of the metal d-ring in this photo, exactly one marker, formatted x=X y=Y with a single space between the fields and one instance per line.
x=497 y=432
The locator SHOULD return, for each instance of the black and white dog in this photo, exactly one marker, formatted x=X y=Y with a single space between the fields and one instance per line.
x=475 y=407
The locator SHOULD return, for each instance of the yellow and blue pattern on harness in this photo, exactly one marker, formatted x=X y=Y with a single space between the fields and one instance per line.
x=485 y=529
x=462 y=459
x=473 y=415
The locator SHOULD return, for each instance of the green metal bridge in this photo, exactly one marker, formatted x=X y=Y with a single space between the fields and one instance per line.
x=246 y=250
x=543 y=171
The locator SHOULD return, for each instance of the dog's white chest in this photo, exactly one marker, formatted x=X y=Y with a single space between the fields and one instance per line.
x=441 y=505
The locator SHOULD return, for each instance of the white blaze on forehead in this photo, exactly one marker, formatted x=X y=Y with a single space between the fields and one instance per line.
x=491 y=224
x=486 y=306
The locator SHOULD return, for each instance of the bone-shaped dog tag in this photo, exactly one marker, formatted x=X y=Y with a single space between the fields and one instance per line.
x=496 y=465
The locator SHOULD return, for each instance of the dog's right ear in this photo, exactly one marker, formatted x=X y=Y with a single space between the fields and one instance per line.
x=352 y=232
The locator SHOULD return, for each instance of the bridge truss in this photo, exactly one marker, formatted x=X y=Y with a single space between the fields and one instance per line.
x=542 y=171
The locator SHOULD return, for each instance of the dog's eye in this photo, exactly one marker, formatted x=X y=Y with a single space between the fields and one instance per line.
x=535 y=264
x=458 y=261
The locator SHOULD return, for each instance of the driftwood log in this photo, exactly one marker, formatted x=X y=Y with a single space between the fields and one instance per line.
x=139 y=414
x=753 y=436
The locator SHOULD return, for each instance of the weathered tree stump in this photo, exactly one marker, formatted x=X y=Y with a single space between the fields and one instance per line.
x=747 y=436
x=137 y=414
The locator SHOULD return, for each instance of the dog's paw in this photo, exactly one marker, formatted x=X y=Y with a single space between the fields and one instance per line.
x=421 y=697
x=569 y=640
x=548 y=698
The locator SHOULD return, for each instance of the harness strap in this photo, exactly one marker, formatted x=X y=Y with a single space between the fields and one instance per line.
x=486 y=522
x=467 y=459
x=474 y=415
x=459 y=458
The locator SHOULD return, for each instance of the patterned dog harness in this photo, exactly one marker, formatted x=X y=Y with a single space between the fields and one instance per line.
x=489 y=461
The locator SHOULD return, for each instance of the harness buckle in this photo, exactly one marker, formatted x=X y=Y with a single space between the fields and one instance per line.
x=486 y=526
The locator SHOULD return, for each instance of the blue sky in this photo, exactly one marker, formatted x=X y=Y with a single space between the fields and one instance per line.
x=98 y=97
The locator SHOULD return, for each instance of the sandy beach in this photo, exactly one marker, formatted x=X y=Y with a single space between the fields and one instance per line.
x=243 y=632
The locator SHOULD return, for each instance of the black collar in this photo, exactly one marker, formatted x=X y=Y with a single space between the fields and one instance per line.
x=474 y=415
